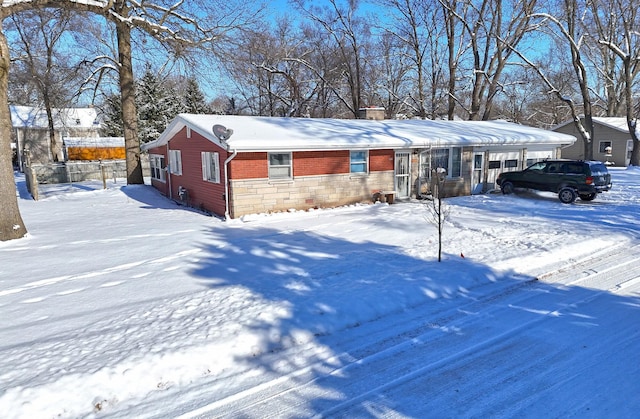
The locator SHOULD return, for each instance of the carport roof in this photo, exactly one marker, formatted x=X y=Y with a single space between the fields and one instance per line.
x=253 y=133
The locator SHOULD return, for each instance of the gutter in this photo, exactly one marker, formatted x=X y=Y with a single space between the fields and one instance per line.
x=226 y=182
x=168 y=175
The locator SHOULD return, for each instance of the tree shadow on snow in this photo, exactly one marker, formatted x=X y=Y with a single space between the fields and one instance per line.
x=330 y=292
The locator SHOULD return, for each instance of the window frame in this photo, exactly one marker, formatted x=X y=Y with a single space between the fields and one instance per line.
x=271 y=168
x=210 y=166
x=359 y=162
x=603 y=144
x=157 y=163
x=175 y=162
x=511 y=164
x=453 y=158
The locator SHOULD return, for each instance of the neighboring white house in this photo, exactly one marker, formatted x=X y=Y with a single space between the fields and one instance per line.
x=31 y=131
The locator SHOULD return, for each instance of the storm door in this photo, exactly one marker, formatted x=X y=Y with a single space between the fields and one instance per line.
x=478 y=172
x=403 y=174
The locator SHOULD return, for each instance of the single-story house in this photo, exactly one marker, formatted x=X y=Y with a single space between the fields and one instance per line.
x=276 y=164
x=612 y=142
x=31 y=131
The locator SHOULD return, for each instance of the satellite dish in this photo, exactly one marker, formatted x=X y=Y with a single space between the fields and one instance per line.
x=221 y=132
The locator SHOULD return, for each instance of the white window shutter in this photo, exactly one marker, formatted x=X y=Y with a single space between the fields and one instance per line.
x=205 y=165
x=216 y=167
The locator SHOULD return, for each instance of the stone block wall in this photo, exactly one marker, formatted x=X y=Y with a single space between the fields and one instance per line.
x=252 y=196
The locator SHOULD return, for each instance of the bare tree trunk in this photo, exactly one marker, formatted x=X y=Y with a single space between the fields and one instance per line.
x=450 y=23
x=11 y=224
x=127 y=90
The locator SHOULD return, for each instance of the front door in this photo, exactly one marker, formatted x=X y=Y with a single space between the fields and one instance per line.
x=478 y=166
x=403 y=174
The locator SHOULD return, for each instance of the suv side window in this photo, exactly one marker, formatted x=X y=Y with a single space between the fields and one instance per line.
x=538 y=166
x=554 y=167
x=574 y=168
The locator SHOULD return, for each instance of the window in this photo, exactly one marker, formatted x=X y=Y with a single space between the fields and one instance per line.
x=156 y=162
x=358 y=161
x=175 y=162
x=604 y=145
x=494 y=164
x=510 y=164
x=210 y=167
x=447 y=160
x=280 y=166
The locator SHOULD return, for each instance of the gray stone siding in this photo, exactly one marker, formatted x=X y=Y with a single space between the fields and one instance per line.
x=252 y=196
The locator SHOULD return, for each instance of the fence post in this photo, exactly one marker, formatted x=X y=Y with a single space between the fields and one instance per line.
x=30 y=175
x=104 y=177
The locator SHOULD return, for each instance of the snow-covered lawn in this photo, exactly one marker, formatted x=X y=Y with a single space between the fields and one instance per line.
x=120 y=303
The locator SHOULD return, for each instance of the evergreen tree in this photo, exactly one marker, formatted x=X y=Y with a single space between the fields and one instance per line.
x=157 y=105
x=194 y=100
x=112 y=125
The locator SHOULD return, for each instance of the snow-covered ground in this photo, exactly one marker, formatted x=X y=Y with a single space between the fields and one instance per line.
x=120 y=303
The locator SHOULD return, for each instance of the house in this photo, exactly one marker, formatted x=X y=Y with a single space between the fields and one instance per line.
x=31 y=131
x=276 y=164
x=612 y=142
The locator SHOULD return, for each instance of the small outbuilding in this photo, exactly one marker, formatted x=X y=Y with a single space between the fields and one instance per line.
x=612 y=143
x=263 y=164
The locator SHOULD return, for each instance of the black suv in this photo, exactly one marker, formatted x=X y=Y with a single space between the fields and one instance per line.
x=568 y=178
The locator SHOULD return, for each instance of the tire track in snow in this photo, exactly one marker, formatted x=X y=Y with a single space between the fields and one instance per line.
x=266 y=398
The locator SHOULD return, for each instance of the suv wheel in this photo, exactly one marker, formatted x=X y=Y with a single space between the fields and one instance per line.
x=507 y=188
x=588 y=197
x=567 y=195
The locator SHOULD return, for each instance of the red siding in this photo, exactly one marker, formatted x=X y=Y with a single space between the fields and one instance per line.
x=310 y=163
x=307 y=163
x=381 y=160
x=202 y=194
x=163 y=187
x=249 y=166
x=253 y=165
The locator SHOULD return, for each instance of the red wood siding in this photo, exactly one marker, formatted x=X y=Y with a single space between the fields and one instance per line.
x=202 y=194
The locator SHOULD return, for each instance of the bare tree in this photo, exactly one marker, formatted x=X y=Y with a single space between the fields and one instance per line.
x=567 y=29
x=417 y=26
x=616 y=22
x=11 y=223
x=350 y=35
x=179 y=27
x=493 y=28
x=437 y=211
x=42 y=63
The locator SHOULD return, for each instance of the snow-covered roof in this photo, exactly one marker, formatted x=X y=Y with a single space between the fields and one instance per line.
x=94 y=141
x=616 y=123
x=34 y=117
x=252 y=133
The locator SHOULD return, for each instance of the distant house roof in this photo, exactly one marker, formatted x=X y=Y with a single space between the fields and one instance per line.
x=34 y=117
x=253 y=133
x=94 y=141
x=616 y=123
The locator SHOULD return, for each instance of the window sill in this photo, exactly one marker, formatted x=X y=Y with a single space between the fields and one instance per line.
x=279 y=181
x=358 y=175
